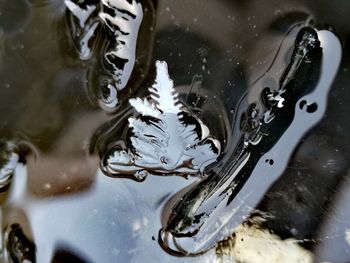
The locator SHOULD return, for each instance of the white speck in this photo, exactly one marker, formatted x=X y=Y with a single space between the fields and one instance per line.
x=277 y=12
x=47 y=186
x=136 y=226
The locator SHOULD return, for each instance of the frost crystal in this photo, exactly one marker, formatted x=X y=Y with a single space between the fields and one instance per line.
x=164 y=137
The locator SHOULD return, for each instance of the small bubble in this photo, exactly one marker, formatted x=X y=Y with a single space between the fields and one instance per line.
x=141 y=175
x=164 y=160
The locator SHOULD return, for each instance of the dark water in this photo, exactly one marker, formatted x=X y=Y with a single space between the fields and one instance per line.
x=221 y=124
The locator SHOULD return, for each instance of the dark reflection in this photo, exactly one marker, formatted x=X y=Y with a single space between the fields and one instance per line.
x=19 y=247
x=66 y=254
x=301 y=213
x=198 y=220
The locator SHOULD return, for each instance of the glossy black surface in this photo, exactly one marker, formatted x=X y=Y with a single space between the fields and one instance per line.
x=53 y=117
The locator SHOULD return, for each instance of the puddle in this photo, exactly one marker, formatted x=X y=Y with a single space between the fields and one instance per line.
x=226 y=107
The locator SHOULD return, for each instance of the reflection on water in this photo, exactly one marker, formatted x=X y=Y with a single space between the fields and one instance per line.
x=206 y=212
x=66 y=77
x=110 y=29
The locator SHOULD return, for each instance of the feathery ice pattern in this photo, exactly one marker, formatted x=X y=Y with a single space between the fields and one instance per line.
x=164 y=137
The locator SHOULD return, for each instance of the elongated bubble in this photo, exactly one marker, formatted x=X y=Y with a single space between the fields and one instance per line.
x=271 y=125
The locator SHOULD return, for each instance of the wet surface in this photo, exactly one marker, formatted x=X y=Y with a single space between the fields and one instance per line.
x=229 y=194
x=232 y=115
